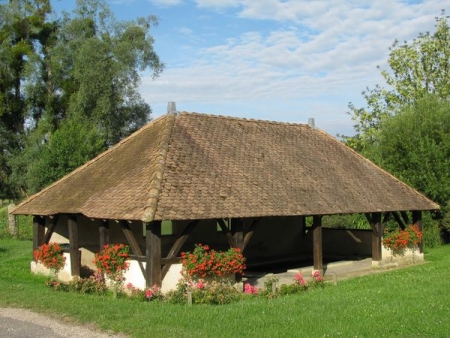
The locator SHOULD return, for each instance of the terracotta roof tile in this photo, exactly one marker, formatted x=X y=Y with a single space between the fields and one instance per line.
x=196 y=166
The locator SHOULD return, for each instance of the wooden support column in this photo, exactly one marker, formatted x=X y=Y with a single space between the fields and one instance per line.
x=103 y=233
x=153 y=269
x=38 y=231
x=417 y=219
x=377 y=235
x=317 y=243
x=75 y=259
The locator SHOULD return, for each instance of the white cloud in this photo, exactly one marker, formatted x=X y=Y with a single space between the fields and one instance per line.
x=318 y=57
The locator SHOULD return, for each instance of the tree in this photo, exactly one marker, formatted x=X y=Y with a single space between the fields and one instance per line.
x=414 y=145
x=417 y=69
x=81 y=71
x=23 y=26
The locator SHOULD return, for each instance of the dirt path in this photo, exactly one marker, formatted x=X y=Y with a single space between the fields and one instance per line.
x=21 y=323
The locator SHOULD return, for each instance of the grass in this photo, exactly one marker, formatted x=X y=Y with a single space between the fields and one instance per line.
x=412 y=302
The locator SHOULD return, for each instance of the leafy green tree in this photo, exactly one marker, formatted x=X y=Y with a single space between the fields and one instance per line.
x=83 y=71
x=416 y=70
x=23 y=26
x=414 y=145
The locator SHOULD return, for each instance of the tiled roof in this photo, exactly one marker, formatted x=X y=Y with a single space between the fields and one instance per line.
x=197 y=166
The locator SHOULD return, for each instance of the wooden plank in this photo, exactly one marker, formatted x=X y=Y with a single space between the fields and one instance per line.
x=417 y=219
x=51 y=229
x=153 y=253
x=377 y=234
x=38 y=232
x=103 y=230
x=176 y=247
x=317 y=243
x=226 y=232
x=75 y=262
x=249 y=233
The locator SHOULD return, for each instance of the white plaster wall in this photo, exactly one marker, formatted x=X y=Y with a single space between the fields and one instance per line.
x=134 y=276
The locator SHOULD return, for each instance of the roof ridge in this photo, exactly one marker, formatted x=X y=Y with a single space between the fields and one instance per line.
x=244 y=119
x=88 y=163
x=157 y=175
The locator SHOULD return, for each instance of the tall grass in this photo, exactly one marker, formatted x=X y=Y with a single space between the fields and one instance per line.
x=410 y=302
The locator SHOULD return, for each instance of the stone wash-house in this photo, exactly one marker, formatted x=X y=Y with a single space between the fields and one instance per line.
x=189 y=178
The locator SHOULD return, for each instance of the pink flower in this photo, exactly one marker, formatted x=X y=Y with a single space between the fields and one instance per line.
x=148 y=294
x=251 y=290
x=129 y=286
x=200 y=284
x=298 y=278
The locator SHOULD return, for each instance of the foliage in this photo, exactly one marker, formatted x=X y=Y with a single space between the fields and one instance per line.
x=24 y=225
x=94 y=284
x=212 y=292
x=81 y=68
x=206 y=262
x=51 y=256
x=417 y=69
x=400 y=239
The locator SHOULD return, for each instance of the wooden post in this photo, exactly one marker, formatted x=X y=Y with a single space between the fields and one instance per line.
x=103 y=233
x=12 y=221
x=417 y=219
x=377 y=235
x=317 y=244
x=153 y=254
x=75 y=261
x=38 y=231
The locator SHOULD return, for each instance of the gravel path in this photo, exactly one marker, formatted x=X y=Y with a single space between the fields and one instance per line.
x=21 y=323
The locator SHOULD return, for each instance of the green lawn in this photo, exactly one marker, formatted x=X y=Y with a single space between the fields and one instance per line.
x=411 y=302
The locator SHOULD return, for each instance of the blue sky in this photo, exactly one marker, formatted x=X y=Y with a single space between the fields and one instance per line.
x=280 y=60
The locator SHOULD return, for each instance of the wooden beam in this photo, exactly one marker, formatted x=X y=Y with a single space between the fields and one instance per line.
x=377 y=234
x=417 y=220
x=153 y=274
x=405 y=217
x=75 y=262
x=399 y=220
x=249 y=233
x=130 y=238
x=38 y=232
x=176 y=247
x=134 y=245
x=317 y=243
x=226 y=232
x=51 y=229
x=103 y=231
x=237 y=230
